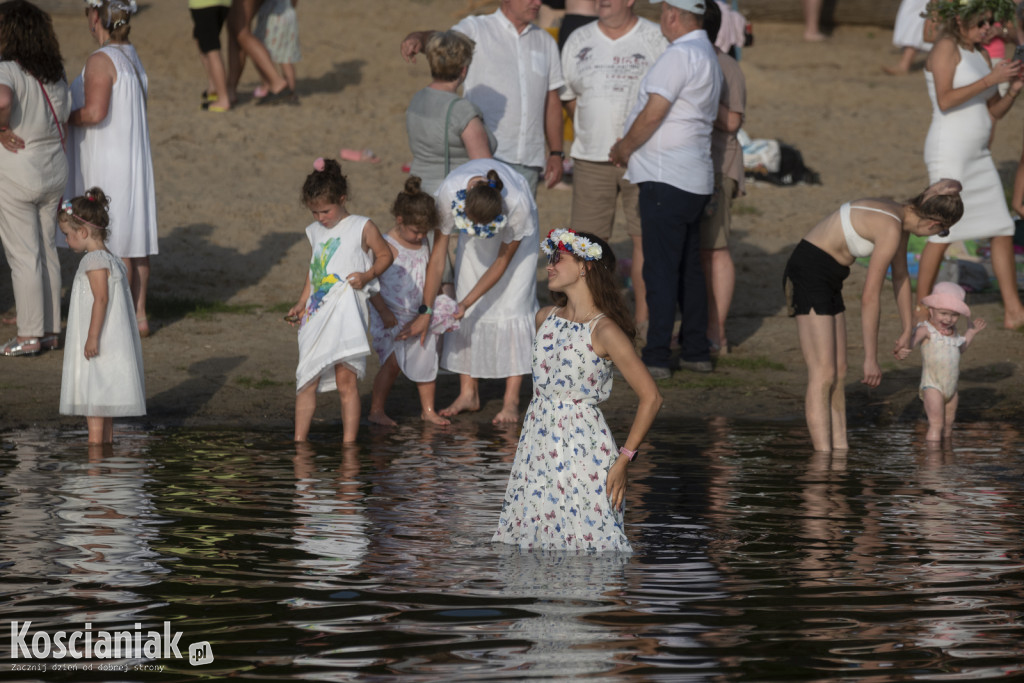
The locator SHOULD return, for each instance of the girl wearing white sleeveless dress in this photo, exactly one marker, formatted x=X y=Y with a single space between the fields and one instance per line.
x=348 y=255
x=398 y=302
x=566 y=490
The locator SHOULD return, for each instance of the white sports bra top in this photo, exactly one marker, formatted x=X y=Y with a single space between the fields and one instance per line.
x=859 y=246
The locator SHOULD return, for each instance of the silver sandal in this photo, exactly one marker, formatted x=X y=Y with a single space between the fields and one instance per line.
x=27 y=347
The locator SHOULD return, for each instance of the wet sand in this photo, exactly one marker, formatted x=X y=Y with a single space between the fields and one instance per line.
x=233 y=249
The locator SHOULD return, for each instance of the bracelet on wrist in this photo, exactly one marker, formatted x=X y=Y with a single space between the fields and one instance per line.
x=631 y=455
x=558 y=153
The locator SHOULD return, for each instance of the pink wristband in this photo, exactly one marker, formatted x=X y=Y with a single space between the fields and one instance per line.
x=628 y=453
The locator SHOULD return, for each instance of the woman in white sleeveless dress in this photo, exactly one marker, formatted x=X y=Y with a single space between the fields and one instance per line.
x=962 y=85
x=110 y=143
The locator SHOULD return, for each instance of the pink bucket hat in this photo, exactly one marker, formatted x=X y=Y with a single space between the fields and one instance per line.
x=947 y=296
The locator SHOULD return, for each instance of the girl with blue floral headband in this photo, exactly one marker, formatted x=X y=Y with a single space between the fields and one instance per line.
x=489 y=208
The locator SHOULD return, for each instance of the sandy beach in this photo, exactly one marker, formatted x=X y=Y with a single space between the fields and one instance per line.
x=233 y=254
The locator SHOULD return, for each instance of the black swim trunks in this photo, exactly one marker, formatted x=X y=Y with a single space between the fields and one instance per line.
x=813 y=280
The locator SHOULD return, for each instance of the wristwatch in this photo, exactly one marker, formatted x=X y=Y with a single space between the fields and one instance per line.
x=424 y=310
x=628 y=453
x=559 y=153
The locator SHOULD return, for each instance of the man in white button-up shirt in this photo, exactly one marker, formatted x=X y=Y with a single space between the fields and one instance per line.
x=514 y=79
x=667 y=146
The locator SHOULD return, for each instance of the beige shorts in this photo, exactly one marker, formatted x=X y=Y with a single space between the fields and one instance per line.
x=595 y=186
x=717 y=219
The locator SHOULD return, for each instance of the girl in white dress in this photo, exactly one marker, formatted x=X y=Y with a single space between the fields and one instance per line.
x=102 y=376
x=110 y=142
x=490 y=206
x=567 y=487
x=962 y=84
x=398 y=302
x=349 y=254
x=908 y=34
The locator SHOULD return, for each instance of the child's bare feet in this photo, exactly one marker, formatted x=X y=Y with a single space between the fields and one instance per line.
x=433 y=418
x=508 y=415
x=470 y=403
x=378 y=417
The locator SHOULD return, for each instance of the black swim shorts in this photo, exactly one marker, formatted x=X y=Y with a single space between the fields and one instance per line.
x=813 y=280
x=207 y=23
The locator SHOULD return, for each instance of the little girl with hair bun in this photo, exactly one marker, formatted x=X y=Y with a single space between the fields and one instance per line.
x=103 y=376
x=349 y=254
x=401 y=294
x=490 y=208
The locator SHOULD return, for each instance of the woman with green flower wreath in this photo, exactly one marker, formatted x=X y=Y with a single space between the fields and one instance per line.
x=567 y=487
x=490 y=208
x=963 y=86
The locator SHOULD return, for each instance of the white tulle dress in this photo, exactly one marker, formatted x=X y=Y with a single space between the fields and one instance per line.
x=496 y=334
x=110 y=384
x=908 y=31
x=957 y=148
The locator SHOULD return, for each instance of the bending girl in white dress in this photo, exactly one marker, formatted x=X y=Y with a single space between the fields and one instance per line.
x=398 y=302
x=102 y=376
x=567 y=487
x=349 y=254
x=491 y=208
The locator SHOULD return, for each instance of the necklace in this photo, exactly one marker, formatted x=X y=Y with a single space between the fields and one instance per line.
x=585 y=320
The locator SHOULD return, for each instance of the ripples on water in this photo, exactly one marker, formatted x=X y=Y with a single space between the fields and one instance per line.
x=755 y=560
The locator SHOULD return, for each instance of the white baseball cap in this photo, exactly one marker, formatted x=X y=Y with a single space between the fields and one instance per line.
x=695 y=6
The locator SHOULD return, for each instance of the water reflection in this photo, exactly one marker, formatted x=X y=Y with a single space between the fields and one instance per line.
x=755 y=559
x=80 y=528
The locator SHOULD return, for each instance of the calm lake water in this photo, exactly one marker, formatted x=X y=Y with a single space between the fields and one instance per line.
x=755 y=559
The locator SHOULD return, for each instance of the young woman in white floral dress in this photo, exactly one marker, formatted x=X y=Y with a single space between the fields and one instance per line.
x=568 y=482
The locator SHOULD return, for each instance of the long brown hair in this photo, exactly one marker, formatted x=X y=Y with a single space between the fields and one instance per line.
x=27 y=37
x=603 y=287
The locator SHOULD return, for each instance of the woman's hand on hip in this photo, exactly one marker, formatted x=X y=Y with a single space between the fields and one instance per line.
x=11 y=142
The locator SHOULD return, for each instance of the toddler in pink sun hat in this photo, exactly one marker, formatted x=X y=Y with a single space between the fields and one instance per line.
x=941 y=348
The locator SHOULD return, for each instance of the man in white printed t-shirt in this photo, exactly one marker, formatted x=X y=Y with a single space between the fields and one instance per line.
x=514 y=79
x=603 y=64
x=667 y=145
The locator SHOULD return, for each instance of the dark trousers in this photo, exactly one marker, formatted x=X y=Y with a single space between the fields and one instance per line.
x=670 y=220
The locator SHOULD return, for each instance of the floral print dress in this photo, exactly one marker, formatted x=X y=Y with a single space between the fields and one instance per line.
x=556 y=496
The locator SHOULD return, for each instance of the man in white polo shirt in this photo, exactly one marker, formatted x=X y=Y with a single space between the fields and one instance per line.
x=667 y=146
x=514 y=79
x=603 y=64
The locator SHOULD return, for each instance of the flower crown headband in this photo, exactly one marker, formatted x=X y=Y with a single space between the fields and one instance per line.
x=68 y=210
x=464 y=224
x=960 y=9
x=567 y=240
x=128 y=6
